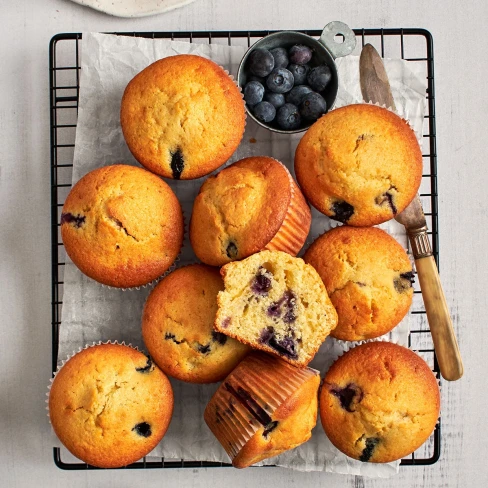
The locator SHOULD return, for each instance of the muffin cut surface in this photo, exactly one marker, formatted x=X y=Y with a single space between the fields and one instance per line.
x=276 y=303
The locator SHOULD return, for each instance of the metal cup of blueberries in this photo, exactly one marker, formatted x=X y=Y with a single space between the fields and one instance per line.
x=289 y=79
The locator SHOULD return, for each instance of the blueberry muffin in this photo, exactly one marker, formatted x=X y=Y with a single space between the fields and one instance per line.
x=360 y=164
x=379 y=402
x=277 y=303
x=182 y=116
x=263 y=408
x=122 y=226
x=110 y=405
x=368 y=277
x=252 y=205
x=177 y=327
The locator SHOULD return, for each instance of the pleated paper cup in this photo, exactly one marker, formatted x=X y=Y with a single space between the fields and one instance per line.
x=292 y=234
x=252 y=411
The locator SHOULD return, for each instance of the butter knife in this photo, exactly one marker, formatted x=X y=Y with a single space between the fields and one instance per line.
x=375 y=88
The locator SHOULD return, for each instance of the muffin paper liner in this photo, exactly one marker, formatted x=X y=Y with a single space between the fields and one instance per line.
x=269 y=381
x=292 y=234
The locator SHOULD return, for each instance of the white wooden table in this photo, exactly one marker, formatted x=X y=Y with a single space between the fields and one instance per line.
x=460 y=40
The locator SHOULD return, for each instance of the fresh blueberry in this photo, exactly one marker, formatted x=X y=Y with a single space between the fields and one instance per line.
x=280 y=81
x=288 y=117
x=297 y=94
x=299 y=72
x=143 y=429
x=318 y=78
x=177 y=164
x=264 y=112
x=276 y=99
x=313 y=106
x=300 y=54
x=342 y=211
x=260 y=79
x=280 y=57
x=261 y=62
x=253 y=93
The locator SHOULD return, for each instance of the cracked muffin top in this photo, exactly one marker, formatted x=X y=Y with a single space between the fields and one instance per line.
x=360 y=164
x=251 y=205
x=177 y=327
x=110 y=405
x=368 y=277
x=122 y=226
x=182 y=117
x=379 y=402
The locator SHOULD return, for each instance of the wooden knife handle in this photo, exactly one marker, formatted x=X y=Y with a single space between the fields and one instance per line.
x=445 y=343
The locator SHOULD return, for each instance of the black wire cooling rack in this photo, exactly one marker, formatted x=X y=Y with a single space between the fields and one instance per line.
x=412 y=45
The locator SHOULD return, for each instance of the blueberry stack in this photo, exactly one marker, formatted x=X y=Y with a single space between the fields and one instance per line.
x=284 y=87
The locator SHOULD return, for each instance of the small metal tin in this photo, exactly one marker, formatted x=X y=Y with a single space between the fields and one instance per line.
x=325 y=51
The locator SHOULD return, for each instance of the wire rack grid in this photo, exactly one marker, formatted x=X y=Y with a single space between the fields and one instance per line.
x=413 y=45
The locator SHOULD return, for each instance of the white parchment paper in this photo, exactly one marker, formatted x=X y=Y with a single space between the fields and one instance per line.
x=93 y=312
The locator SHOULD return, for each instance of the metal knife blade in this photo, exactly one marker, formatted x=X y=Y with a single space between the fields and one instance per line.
x=375 y=88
